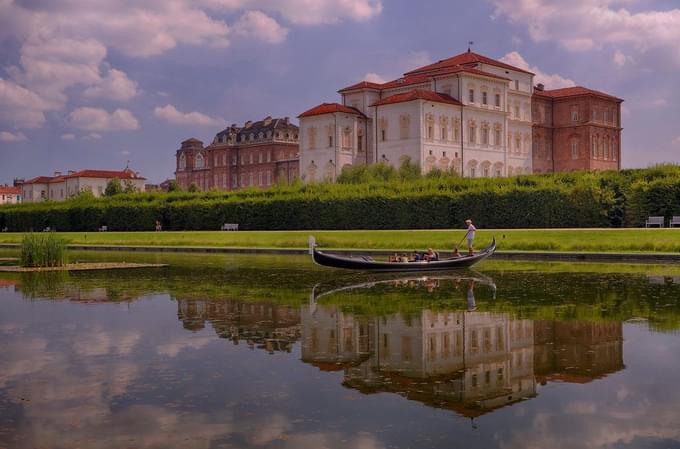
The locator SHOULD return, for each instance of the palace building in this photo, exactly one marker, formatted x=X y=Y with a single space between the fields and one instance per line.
x=257 y=154
x=470 y=114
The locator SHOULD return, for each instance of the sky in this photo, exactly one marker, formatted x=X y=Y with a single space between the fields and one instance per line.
x=93 y=84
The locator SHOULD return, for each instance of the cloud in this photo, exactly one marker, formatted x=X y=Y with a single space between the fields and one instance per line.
x=258 y=25
x=551 y=81
x=68 y=136
x=21 y=107
x=170 y=114
x=7 y=136
x=95 y=119
x=307 y=12
x=116 y=86
x=374 y=78
x=587 y=24
x=92 y=136
x=619 y=58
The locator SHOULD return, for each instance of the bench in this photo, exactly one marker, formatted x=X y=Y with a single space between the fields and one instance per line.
x=675 y=221
x=5 y=229
x=49 y=229
x=103 y=228
x=654 y=221
x=229 y=227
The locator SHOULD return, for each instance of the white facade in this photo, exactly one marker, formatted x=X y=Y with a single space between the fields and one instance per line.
x=9 y=195
x=59 y=188
x=486 y=133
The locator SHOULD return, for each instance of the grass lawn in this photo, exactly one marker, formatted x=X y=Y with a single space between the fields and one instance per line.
x=594 y=240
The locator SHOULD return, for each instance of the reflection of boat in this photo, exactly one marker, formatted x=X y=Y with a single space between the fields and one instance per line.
x=367 y=263
x=470 y=276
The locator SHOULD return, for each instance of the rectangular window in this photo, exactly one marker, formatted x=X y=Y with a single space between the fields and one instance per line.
x=485 y=136
x=486 y=172
x=251 y=158
x=471 y=96
x=472 y=137
x=234 y=160
x=269 y=156
x=574 y=150
x=260 y=158
x=383 y=135
x=574 y=113
x=497 y=137
x=516 y=84
x=234 y=182
x=330 y=141
x=498 y=100
x=484 y=98
x=517 y=113
x=430 y=132
x=445 y=135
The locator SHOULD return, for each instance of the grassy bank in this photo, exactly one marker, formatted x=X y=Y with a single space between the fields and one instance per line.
x=592 y=240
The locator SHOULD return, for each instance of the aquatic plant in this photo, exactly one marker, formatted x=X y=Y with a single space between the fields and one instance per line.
x=42 y=250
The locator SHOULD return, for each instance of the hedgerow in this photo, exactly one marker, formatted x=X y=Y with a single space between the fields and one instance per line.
x=377 y=198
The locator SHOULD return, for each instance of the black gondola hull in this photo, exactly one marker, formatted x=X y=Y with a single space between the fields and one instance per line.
x=360 y=263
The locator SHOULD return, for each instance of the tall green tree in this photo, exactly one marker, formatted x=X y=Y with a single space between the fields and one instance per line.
x=113 y=187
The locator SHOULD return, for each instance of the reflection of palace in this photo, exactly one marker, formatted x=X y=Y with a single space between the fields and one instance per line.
x=263 y=325
x=468 y=362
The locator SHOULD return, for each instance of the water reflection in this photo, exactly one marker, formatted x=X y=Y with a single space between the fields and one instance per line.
x=200 y=359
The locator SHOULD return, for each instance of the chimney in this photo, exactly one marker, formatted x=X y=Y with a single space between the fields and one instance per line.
x=267 y=120
x=248 y=124
x=540 y=87
x=286 y=120
x=57 y=173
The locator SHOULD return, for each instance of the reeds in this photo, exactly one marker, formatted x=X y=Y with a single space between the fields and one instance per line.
x=42 y=250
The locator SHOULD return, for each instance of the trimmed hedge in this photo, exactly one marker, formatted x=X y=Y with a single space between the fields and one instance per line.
x=605 y=199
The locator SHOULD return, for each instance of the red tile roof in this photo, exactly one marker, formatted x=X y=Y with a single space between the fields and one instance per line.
x=463 y=59
x=572 y=92
x=329 y=108
x=362 y=85
x=10 y=190
x=108 y=174
x=419 y=78
x=418 y=94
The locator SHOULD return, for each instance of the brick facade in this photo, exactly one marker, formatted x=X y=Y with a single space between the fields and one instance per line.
x=575 y=129
x=258 y=154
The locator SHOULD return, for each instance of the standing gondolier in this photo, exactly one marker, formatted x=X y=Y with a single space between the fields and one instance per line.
x=470 y=236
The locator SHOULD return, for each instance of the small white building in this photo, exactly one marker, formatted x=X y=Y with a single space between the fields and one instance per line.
x=10 y=195
x=468 y=113
x=61 y=187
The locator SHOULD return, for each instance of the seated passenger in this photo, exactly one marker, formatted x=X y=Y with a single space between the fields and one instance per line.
x=431 y=255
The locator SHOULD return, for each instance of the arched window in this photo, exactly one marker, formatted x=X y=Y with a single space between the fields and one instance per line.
x=199 y=162
x=182 y=162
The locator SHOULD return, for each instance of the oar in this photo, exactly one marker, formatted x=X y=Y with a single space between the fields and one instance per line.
x=461 y=240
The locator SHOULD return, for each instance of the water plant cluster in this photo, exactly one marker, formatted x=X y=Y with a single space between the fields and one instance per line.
x=378 y=197
x=42 y=250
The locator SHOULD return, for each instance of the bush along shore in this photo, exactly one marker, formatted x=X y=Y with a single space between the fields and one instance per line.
x=377 y=197
x=42 y=250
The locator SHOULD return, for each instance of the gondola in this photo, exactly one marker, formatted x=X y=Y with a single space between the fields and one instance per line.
x=368 y=264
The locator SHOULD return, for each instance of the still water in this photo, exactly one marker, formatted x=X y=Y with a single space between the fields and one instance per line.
x=273 y=352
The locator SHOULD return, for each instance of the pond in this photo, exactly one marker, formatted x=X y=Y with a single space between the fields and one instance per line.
x=221 y=351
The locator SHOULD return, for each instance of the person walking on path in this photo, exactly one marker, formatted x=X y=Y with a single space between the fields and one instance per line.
x=470 y=236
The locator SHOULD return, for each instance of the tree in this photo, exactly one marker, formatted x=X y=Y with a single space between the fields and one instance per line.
x=173 y=186
x=193 y=188
x=113 y=187
x=129 y=187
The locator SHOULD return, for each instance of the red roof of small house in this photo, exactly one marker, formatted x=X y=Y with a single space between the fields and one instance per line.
x=463 y=59
x=330 y=108
x=573 y=92
x=10 y=190
x=418 y=94
x=107 y=174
